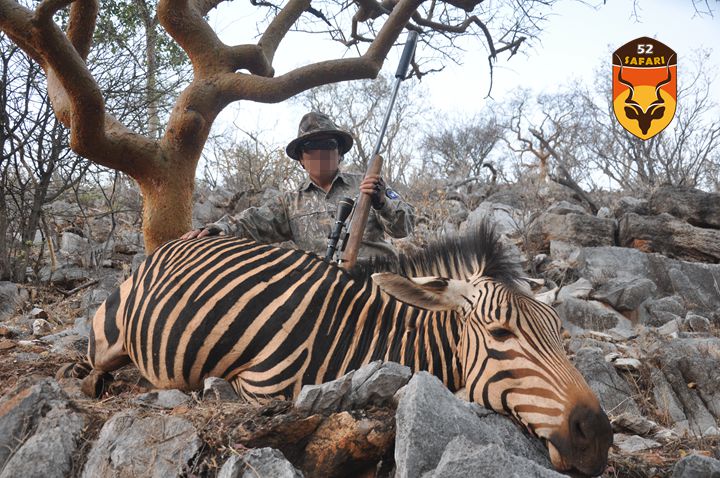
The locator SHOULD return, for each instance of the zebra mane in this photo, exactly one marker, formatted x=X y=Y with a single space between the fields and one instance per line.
x=455 y=257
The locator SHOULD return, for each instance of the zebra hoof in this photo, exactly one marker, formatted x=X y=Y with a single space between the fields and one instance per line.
x=73 y=370
x=95 y=384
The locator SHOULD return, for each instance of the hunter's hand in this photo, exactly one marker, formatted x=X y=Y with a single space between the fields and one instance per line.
x=374 y=185
x=204 y=232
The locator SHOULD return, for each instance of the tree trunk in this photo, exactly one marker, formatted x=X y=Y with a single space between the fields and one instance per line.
x=167 y=202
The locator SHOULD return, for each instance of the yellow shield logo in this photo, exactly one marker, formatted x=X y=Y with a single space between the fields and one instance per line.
x=644 y=86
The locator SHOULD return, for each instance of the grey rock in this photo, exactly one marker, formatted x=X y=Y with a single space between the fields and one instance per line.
x=580 y=289
x=82 y=326
x=625 y=295
x=633 y=443
x=669 y=236
x=154 y=446
x=578 y=342
x=71 y=244
x=68 y=344
x=462 y=458
x=215 y=388
x=629 y=204
x=605 y=212
x=565 y=252
x=668 y=403
x=613 y=392
x=656 y=313
x=565 y=207
x=588 y=314
x=166 y=399
x=378 y=387
x=66 y=274
x=41 y=327
x=691 y=361
x=507 y=219
x=38 y=313
x=259 y=462
x=694 y=282
x=9 y=299
x=37 y=420
x=694 y=206
x=325 y=398
x=697 y=466
x=580 y=229
x=429 y=417
x=697 y=323
x=671 y=328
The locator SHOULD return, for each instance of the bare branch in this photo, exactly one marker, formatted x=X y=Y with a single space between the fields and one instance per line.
x=279 y=27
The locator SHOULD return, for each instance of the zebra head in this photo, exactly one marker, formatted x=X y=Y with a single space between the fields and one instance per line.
x=511 y=353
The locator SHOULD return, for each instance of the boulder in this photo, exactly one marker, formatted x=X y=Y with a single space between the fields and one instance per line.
x=687 y=383
x=462 y=458
x=39 y=431
x=669 y=236
x=167 y=399
x=259 y=462
x=565 y=207
x=625 y=295
x=613 y=392
x=153 y=446
x=580 y=229
x=429 y=417
x=590 y=315
x=507 y=219
x=693 y=282
x=693 y=206
x=696 y=466
x=629 y=204
x=9 y=299
x=633 y=443
x=216 y=388
x=73 y=244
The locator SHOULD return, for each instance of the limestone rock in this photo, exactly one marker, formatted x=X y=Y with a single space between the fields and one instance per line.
x=154 y=446
x=613 y=392
x=259 y=462
x=670 y=237
x=694 y=206
x=625 y=295
x=697 y=466
x=633 y=443
x=9 y=299
x=167 y=399
x=215 y=388
x=581 y=229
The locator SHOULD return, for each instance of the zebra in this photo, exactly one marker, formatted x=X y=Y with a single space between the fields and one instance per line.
x=270 y=320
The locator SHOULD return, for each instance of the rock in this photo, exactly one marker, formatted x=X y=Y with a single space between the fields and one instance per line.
x=691 y=205
x=167 y=399
x=565 y=252
x=670 y=237
x=633 y=443
x=38 y=313
x=580 y=289
x=82 y=326
x=41 y=327
x=73 y=244
x=580 y=229
x=697 y=323
x=696 y=466
x=344 y=443
x=588 y=314
x=378 y=387
x=671 y=328
x=659 y=312
x=65 y=275
x=613 y=392
x=629 y=204
x=154 y=446
x=72 y=344
x=38 y=421
x=625 y=295
x=507 y=220
x=639 y=425
x=462 y=458
x=325 y=398
x=605 y=213
x=216 y=388
x=629 y=364
x=687 y=383
x=9 y=299
x=429 y=417
x=565 y=207
x=694 y=282
x=259 y=462
x=580 y=341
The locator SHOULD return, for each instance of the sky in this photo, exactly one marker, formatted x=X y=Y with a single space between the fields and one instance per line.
x=576 y=40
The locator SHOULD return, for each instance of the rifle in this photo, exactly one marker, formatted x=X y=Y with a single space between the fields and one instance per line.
x=362 y=208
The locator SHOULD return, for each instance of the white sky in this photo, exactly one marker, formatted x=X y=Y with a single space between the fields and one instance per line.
x=574 y=43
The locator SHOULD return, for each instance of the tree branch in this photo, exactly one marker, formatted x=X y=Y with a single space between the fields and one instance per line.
x=280 y=25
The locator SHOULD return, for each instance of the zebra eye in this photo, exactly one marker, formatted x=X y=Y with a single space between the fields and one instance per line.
x=501 y=334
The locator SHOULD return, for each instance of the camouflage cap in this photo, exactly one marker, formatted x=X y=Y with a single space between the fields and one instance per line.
x=314 y=125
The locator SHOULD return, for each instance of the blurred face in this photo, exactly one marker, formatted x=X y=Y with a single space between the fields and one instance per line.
x=320 y=158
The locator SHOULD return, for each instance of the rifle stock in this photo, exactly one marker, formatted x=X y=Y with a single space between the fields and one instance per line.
x=359 y=220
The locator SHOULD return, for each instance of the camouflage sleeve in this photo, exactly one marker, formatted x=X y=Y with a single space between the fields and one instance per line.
x=267 y=223
x=396 y=217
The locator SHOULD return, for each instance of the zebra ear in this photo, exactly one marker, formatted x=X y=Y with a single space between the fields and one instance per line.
x=431 y=293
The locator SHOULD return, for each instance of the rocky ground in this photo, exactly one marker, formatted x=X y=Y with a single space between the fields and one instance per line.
x=637 y=286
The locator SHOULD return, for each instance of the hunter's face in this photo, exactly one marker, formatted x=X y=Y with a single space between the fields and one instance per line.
x=321 y=163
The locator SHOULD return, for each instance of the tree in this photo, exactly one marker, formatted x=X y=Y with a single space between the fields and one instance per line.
x=165 y=168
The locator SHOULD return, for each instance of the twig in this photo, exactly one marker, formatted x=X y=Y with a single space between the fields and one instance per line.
x=68 y=293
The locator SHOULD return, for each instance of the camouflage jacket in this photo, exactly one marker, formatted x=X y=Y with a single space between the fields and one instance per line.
x=307 y=215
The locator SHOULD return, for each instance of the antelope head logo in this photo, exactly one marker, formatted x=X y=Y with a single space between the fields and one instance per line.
x=654 y=111
x=644 y=86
